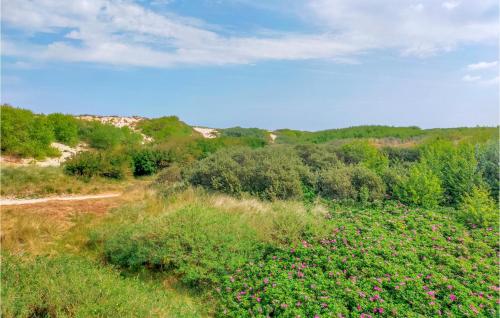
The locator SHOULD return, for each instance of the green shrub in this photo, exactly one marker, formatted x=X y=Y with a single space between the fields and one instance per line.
x=318 y=157
x=422 y=187
x=199 y=244
x=164 y=128
x=147 y=161
x=394 y=178
x=456 y=166
x=108 y=137
x=369 y=185
x=25 y=134
x=274 y=173
x=401 y=154
x=114 y=165
x=477 y=208
x=254 y=133
x=65 y=128
x=350 y=183
x=73 y=287
x=362 y=152
x=336 y=183
x=218 y=172
x=488 y=158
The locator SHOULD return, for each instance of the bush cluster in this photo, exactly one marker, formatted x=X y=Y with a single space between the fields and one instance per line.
x=26 y=134
x=88 y=164
x=271 y=173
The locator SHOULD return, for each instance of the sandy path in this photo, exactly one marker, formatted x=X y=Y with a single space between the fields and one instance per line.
x=58 y=198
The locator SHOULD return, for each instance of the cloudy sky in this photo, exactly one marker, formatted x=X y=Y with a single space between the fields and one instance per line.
x=310 y=64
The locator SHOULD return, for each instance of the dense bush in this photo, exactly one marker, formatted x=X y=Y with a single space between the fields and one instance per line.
x=362 y=152
x=25 y=134
x=254 y=133
x=147 y=161
x=488 y=165
x=199 y=244
x=401 y=154
x=115 y=165
x=74 y=287
x=336 y=183
x=422 y=187
x=165 y=127
x=65 y=128
x=477 y=208
x=368 y=184
x=350 y=183
x=274 y=173
x=107 y=137
x=318 y=157
x=456 y=166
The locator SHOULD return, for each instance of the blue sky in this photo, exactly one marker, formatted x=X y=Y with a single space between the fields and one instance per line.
x=311 y=65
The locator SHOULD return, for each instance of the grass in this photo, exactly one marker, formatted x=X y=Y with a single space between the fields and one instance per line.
x=24 y=182
x=69 y=286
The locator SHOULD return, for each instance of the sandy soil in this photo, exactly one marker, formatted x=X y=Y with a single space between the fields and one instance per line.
x=66 y=153
x=58 y=198
x=207 y=132
x=273 y=136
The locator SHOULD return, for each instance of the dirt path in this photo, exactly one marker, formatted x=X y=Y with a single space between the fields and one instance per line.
x=58 y=198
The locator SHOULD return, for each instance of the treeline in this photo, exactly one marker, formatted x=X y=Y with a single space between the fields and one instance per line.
x=476 y=134
x=436 y=173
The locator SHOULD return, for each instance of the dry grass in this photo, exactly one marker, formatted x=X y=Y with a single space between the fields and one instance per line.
x=31 y=182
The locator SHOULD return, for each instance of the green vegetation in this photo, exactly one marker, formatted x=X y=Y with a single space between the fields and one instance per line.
x=369 y=221
x=65 y=128
x=106 y=137
x=255 y=133
x=297 y=136
x=165 y=127
x=25 y=134
x=74 y=287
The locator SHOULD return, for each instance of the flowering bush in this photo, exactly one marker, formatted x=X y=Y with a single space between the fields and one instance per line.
x=395 y=262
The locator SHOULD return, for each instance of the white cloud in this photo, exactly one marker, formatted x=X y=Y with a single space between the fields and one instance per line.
x=123 y=32
x=482 y=66
x=471 y=78
x=415 y=28
x=450 y=5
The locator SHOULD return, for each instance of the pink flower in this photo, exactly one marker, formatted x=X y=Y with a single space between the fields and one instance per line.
x=377 y=288
x=324 y=305
x=453 y=297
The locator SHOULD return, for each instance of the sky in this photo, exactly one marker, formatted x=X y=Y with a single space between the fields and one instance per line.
x=301 y=64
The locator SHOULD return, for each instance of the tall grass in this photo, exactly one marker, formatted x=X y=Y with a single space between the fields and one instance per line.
x=74 y=287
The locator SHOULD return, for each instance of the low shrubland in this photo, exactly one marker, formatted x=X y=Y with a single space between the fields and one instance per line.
x=443 y=173
x=254 y=258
